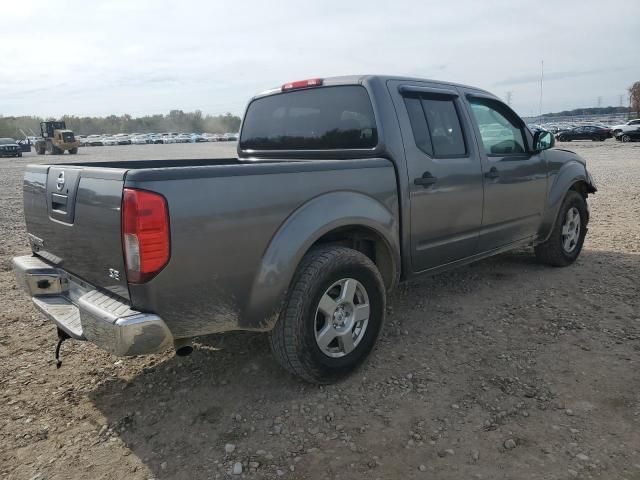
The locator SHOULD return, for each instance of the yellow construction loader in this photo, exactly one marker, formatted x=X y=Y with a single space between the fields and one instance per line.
x=56 y=139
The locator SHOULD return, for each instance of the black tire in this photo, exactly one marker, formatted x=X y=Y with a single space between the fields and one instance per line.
x=293 y=339
x=73 y=151
x=625 y=138
x=19 y=154
x=552 y=252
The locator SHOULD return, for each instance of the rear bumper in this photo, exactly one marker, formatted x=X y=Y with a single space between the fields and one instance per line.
x=86 y=313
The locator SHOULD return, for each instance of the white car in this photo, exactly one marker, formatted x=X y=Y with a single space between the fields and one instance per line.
x=626 y=127
x=108 y=140
x=122 y=139
x=140 y=140
x=94 y=141
x=230 y=137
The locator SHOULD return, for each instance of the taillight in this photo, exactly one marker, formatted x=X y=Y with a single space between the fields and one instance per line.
x=145 y=234
x=312 y=82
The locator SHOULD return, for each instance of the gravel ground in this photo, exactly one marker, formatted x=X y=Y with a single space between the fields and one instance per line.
x=504 y=369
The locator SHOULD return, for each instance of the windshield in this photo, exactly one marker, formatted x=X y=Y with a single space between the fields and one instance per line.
x=313 y=119
x=4 y=141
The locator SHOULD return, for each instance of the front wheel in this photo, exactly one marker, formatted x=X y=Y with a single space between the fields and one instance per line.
x=73 y=151
x=332 y=316
x=565 y=242
x=626 y=138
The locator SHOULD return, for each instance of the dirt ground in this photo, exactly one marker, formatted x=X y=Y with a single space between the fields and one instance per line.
x=504 y=369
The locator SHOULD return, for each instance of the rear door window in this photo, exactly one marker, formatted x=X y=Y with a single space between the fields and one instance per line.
x=436 y=126
x=325 y=118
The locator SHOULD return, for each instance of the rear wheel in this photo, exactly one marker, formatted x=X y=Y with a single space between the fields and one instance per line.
x=332 y=316
x=565 y=242
x=73 y=151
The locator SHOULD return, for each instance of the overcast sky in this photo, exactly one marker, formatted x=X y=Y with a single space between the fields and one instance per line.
x=143 y=57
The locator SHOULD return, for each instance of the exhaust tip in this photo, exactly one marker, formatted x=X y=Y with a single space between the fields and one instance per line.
x=183 y=348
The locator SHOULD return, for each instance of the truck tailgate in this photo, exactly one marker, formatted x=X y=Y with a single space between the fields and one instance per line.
x=73 y=220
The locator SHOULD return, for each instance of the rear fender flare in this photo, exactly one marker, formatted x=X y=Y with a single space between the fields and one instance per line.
x=298 y=233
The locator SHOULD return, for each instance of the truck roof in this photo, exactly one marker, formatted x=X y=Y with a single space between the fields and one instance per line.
x=359 y=79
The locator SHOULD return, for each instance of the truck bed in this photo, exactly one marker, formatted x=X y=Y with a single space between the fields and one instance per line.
x=223 y=216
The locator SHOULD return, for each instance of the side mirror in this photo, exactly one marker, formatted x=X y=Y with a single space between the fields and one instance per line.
x=543 y=140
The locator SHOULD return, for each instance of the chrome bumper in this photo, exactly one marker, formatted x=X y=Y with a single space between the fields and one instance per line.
x=86 y=313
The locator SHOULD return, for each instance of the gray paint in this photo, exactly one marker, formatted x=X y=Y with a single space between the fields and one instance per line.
x=88 y=243
x=240 y=226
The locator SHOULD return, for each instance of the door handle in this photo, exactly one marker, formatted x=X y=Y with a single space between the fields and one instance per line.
x=426 y=180
x=492 y=173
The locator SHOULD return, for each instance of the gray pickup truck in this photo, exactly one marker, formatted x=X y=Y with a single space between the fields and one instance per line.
x=342 y=187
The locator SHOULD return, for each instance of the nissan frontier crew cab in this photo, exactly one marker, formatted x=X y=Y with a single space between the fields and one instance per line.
x=342 y=187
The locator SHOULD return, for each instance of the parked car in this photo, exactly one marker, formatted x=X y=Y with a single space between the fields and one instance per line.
x=183 y=138
x=122 y=139
x=359 y=183
x=626 y=127
x=140 y=140
x=629 y=135
x=94 y=141
x=155 y=139
x=24 y=144
x=108 y=140
x=9 y=148
x=588 y=132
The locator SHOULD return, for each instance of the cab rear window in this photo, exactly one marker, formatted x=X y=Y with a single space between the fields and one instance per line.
x=326 y=118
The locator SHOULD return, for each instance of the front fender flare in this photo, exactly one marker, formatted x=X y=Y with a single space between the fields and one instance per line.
x=299 y=232
x=569 y=174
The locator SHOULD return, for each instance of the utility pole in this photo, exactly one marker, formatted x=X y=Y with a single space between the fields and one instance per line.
x=541 y=82
x=508 y=97
x=599 y=102
x=621 y=99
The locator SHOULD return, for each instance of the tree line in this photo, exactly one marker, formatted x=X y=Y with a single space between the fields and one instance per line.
x=589 y=111
x=174 y=121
